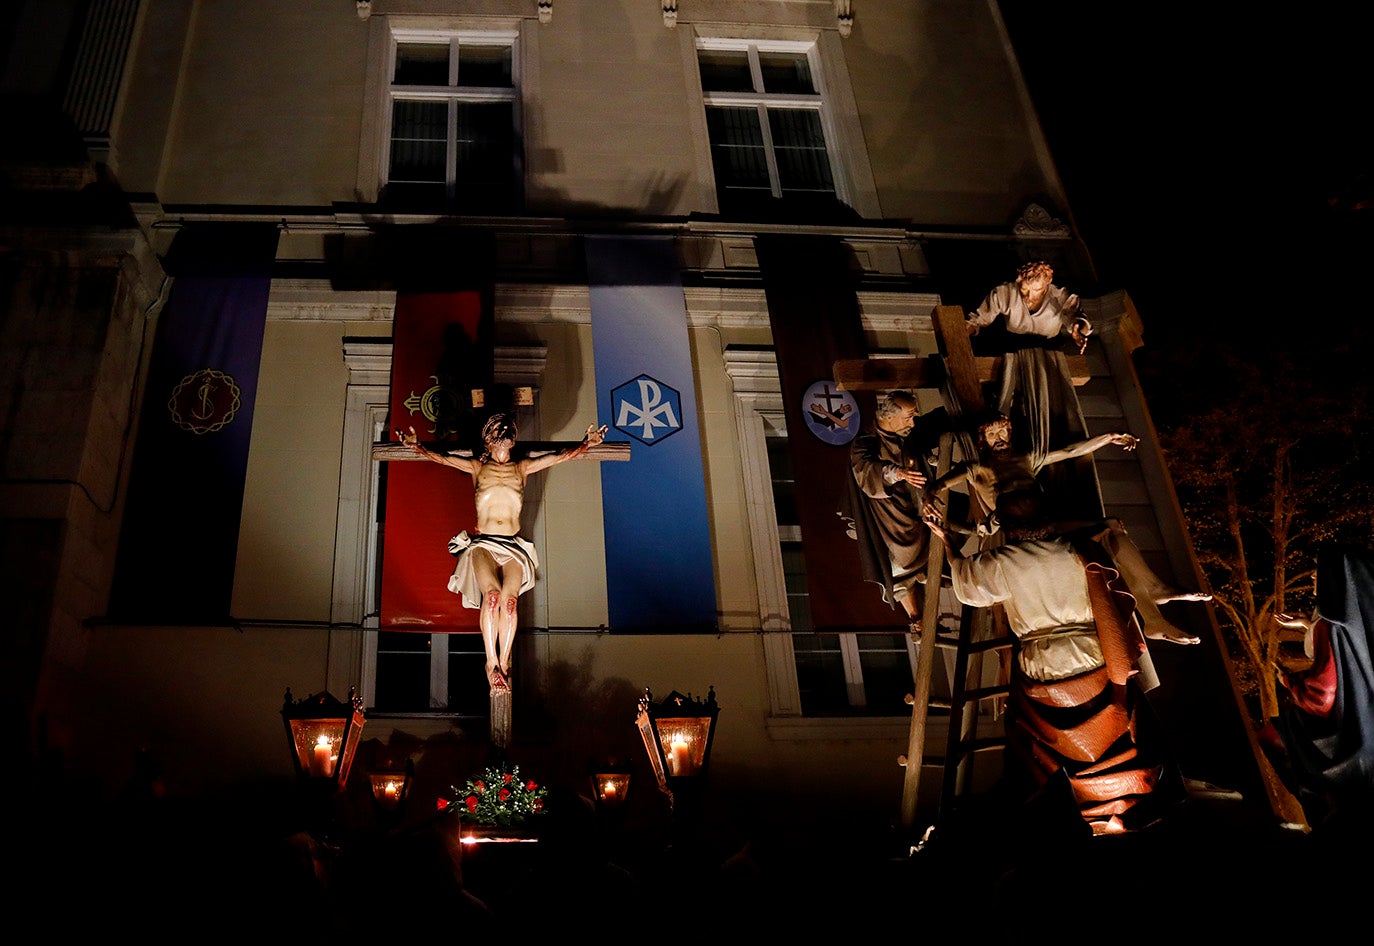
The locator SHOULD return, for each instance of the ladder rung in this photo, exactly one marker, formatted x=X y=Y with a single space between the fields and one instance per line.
x=982 y=744
x=976 y=647
x=986 y=693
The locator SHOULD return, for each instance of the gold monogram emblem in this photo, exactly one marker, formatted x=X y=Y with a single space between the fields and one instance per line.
x=204 y=401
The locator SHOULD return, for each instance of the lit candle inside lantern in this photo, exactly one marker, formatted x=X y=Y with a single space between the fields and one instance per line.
x=392 y=791
x=322 y=762
x=608 y=791
x=680 y=755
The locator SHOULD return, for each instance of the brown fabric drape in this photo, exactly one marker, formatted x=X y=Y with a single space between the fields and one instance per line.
x=814 y=313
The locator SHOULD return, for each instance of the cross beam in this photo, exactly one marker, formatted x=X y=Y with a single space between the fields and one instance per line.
x=891 y=374
x=613 y=452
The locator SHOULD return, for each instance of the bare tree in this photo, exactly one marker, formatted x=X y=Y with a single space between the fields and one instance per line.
x=1278 y=465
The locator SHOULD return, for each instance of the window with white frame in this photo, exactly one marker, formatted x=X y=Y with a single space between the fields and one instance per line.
x=453 y=119
x=835 y=671
x=769 y=129
x=853 y=674
x=402 y=672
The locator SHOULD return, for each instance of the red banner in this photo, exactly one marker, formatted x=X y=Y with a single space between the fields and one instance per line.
x=441 y=351
x=814 y=313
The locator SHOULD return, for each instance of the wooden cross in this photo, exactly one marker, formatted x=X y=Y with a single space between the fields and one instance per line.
x=964 y=375
x=393 y=451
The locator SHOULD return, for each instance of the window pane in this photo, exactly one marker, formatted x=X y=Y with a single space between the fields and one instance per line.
x=421 y=64
x=887 y=672
x=737 y=154
x=799 y=146
x=786 y=73
x=784 y=492
x=419 y=141
x=794 y=580
x=486 y=158
x=485 y=66
x=402 y=684
x=725 y=70
x=467 y=686
x=820 y=674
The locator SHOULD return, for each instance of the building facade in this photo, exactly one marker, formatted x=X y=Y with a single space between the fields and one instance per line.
x=406 y=148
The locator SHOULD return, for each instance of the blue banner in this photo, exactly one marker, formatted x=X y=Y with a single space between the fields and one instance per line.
x=180 y=531
x=659 y=574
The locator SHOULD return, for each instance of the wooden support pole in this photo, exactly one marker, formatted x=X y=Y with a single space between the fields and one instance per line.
x=925 y=660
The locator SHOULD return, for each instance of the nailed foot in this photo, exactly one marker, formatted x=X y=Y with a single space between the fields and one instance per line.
x=498 y=680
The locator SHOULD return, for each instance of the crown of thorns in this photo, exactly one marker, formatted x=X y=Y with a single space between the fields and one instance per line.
x=498 y=427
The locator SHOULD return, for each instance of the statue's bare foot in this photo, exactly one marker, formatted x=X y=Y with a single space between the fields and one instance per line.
x=1174 y=594
x=498 y=680
x=1167 y=632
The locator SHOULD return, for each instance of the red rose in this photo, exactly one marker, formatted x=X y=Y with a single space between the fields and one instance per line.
x=531 y=787
x=539 y=804
x=471 y=802
x=506 y=778
x=505 y=793
x=480 y=786
x=442 y=803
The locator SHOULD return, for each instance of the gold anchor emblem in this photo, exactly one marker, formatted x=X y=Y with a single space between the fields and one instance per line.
x=204 y=401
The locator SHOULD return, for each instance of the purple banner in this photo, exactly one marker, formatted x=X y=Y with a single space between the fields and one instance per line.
x=181 y=522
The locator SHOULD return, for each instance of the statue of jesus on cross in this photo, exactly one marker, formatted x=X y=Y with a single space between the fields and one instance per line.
x=495 y=565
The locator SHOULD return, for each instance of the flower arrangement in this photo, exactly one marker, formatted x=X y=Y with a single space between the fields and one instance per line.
x=497 y=796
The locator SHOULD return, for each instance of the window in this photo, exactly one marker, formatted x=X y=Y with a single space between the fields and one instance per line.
x=810 y=674
x=402 y=672
x=453 y=123
x=832 y=669
x=766 y=119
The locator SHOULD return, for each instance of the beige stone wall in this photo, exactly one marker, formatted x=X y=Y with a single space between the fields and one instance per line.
x=269 y=104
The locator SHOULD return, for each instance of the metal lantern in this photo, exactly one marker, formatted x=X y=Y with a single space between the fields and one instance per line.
x=610 y=781
x=677 y=734
x=390 y=787
x=323 y=734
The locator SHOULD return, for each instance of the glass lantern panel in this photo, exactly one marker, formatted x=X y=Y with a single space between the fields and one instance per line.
x=317 y=742
x=684 y=742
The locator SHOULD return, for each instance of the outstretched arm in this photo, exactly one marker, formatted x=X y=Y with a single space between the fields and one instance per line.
x=1091 y=445
x=465 y=464
x=593 y=436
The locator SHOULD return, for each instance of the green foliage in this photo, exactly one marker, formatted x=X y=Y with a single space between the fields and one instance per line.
x=1275 y=460
x=499 y=796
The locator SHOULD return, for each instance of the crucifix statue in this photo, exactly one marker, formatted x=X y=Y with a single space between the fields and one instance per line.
x=494 y=564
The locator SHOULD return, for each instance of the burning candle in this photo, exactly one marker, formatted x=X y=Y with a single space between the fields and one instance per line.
x=322 y=762
x=608 y=791
x=391 y=790
x=680 y=755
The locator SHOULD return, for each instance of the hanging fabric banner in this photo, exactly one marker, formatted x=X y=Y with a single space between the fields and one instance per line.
x=179 y=539
x=814 y=313
x=441 y=350
x=658 y=541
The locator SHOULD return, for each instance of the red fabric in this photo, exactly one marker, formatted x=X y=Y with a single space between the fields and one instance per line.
x=426 y=503
x=1086 y=725
x=814 y=314
x=1314 y=690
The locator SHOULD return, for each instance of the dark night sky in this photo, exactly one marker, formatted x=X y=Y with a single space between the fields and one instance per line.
x=1202 y=151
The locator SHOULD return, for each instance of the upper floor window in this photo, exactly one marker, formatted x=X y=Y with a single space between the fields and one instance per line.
x=453 y=122
x=766 y=118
